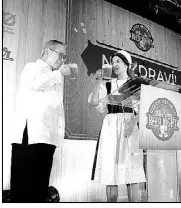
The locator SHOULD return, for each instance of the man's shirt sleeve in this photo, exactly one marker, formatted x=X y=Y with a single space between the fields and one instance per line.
x=38 y=79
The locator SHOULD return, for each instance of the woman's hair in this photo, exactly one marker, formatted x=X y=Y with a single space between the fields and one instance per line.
x=122 y=57
x=125 y=56
x=51 y=44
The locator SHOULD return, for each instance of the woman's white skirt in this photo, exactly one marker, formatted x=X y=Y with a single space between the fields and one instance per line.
x=119 y=159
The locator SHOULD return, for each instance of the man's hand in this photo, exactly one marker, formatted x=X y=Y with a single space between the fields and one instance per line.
x=65 y=70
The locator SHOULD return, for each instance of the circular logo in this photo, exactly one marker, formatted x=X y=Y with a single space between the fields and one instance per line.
x=162 y=119
x=141 y=36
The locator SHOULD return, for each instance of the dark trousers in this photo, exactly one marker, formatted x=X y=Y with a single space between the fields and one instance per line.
x=30 y=171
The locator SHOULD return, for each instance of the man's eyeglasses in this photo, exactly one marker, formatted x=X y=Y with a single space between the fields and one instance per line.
x=61 y=55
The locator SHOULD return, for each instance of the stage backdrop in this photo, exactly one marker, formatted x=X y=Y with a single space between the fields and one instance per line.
x=96 y=30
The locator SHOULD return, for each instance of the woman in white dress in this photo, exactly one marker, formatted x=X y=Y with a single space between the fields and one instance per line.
x=118 y=158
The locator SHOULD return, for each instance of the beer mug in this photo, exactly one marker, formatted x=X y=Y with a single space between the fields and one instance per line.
x=106 y=71
x=74 y=70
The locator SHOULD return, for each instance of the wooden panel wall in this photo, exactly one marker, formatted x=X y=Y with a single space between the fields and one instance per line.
x=27 y=25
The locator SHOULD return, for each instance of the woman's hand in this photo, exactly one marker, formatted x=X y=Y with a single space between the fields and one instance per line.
x=99 y=74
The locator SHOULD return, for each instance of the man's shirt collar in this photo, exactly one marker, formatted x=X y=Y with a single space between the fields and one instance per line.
x=43 y=64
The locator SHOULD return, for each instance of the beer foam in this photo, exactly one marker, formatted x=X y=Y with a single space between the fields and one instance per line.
x=106 y=66
x=73 y=65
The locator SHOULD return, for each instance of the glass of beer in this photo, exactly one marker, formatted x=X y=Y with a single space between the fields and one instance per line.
x=106 y=71
x=74 y=71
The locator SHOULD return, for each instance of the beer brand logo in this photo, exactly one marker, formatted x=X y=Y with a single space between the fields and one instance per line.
x=162 y=119
x=141 y=36
x=9 y=21
x=6 y=54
